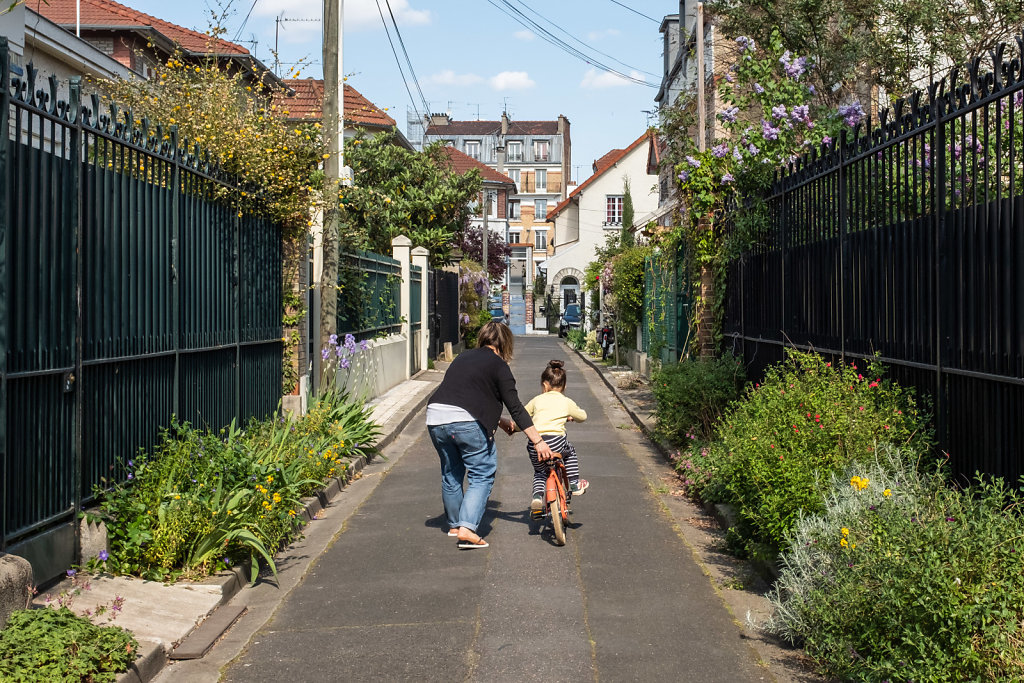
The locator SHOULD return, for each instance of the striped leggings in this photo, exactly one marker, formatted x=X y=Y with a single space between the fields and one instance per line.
x=559 y=444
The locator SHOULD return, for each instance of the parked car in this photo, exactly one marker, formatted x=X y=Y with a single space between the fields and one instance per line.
x=572 y=318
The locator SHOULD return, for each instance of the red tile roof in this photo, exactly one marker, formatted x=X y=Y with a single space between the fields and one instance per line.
x=461 y=163
x=494 y=127
x=307 y=104
x=600 y=166
x=109 y=14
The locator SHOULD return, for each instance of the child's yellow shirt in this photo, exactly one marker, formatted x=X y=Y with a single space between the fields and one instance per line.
x=551 y=410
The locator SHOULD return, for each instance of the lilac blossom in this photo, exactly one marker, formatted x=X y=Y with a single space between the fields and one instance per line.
x=729 y=78
x=720 y=150
x=794 y=68
x=752 y=148
x=852 y=114
x=684 y=176
x=727 y=178
x=812 y=89
x=729 y=115
x=827 y=140
x=693 y=162
x=746 y=43
x=779 y=111
x=801 y=112
x=758 y=89
x=769 y=131
x=736 y=154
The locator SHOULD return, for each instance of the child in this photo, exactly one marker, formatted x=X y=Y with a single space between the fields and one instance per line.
x=550 y=411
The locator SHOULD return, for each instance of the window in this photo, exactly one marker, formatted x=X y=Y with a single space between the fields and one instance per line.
x=513 y=237
x=513 y=173
x=471 y=148
x=541 y=150
x=614 y=210
x=515 y=151
x=513 y=210
x=542 y=180
x=540 y=240
x=492 y=199
x=540 y=209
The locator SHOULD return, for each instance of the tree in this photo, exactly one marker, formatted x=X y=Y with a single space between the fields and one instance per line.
x=399 y=192
x=627 y=214
x=472 y=246
x=874 y=42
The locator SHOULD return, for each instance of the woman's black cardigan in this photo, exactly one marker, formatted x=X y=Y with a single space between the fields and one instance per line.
x=479 y=381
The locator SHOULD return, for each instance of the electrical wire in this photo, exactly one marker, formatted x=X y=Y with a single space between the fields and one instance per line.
x=636 y=11
x=505 y=7
x=586 y=45
x=245 y=21
x=401 y=41
x=398 y=61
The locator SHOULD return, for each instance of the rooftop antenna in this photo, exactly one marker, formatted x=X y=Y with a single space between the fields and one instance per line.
x=477 y=105
x=278 y=20
x=650 y=113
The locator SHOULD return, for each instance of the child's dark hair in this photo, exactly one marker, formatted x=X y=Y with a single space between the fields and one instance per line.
x=554 y=375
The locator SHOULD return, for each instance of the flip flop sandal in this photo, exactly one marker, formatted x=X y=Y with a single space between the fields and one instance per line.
x=469 y=545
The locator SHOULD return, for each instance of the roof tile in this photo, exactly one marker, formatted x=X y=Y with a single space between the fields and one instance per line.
x=307 y=104
x=600 y=166
x=462 y=163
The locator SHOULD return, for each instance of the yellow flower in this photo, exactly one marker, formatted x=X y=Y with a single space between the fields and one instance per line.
x=844 y=542
x=846 y=532
x=887 y=493
x=853 y=546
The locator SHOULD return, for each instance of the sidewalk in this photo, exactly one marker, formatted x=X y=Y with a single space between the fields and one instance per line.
x=185 y=619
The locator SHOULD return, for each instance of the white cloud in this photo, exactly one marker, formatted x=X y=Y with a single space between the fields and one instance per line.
x=449 y=77
x=524 y=35
x=595 y=36
x=359 y=14
x=512 y=80
x=595 y=79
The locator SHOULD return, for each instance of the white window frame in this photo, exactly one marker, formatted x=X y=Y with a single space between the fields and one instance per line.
x=514 y=215
x=613 y=204
x=538 y=174
x=514 y=145
x=513 y=236
x=466 y=149
x=538 y=236
x=515 y=175
x=537 y=203
x=493 y=196
x=547 y=146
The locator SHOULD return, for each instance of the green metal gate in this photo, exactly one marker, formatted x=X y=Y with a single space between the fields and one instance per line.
x=127 y=295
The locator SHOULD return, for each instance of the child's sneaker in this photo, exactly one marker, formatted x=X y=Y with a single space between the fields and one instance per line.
x=537 y=506
x=579 y=487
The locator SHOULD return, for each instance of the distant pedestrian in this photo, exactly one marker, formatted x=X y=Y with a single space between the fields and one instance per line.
x=462 y=416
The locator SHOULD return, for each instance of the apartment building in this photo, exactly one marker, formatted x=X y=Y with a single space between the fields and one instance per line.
x=536 y=156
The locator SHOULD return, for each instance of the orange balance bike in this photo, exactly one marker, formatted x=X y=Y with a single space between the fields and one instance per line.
x=556 y=497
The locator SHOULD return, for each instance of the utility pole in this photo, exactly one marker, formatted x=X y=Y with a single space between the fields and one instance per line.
x=487 y=210
x=333 y=130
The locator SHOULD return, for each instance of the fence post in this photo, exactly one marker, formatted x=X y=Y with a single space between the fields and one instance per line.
x=419 y=258
x=844 y=247
x=5 y=69
x=401 y=247
x=942 y=282
x=74 y=100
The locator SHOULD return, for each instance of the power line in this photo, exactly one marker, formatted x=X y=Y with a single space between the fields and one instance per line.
x=586 y=45
x=636 y=11
x=398 y=61
x=517 y=15
x=408 y=61
x=244 y=21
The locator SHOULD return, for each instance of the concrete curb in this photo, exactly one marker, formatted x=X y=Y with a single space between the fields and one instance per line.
x=152 y=656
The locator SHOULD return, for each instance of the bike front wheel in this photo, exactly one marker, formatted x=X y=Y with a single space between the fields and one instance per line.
x=557 y=523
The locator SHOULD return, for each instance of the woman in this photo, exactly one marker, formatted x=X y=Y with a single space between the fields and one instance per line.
x=462 y=416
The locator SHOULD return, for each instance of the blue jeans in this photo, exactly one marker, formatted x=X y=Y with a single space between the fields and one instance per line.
x=466 y=451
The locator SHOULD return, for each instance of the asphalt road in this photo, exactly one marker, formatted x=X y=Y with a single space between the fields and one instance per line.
x=393 y=599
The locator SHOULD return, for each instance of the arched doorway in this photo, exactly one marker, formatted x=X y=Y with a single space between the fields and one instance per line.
x=566 y=285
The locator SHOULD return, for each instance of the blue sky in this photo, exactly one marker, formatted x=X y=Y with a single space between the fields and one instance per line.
x=473 y=60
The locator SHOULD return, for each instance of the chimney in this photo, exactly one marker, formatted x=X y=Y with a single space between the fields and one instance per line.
x=440 y=119
x=504 y=123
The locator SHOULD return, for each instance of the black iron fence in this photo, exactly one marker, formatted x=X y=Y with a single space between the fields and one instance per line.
x=907 y=239
x=128 y=294
x=369 y=303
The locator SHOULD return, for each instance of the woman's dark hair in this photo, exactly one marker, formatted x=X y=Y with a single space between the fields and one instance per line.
x=554 y=375
x=499 y=336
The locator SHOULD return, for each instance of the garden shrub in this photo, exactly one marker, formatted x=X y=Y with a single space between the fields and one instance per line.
x=805 y=421
x=576 y=338
x=590 y=344
x=904 y=578
x=57 y=645
x=201 y=500
x=691 y=395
